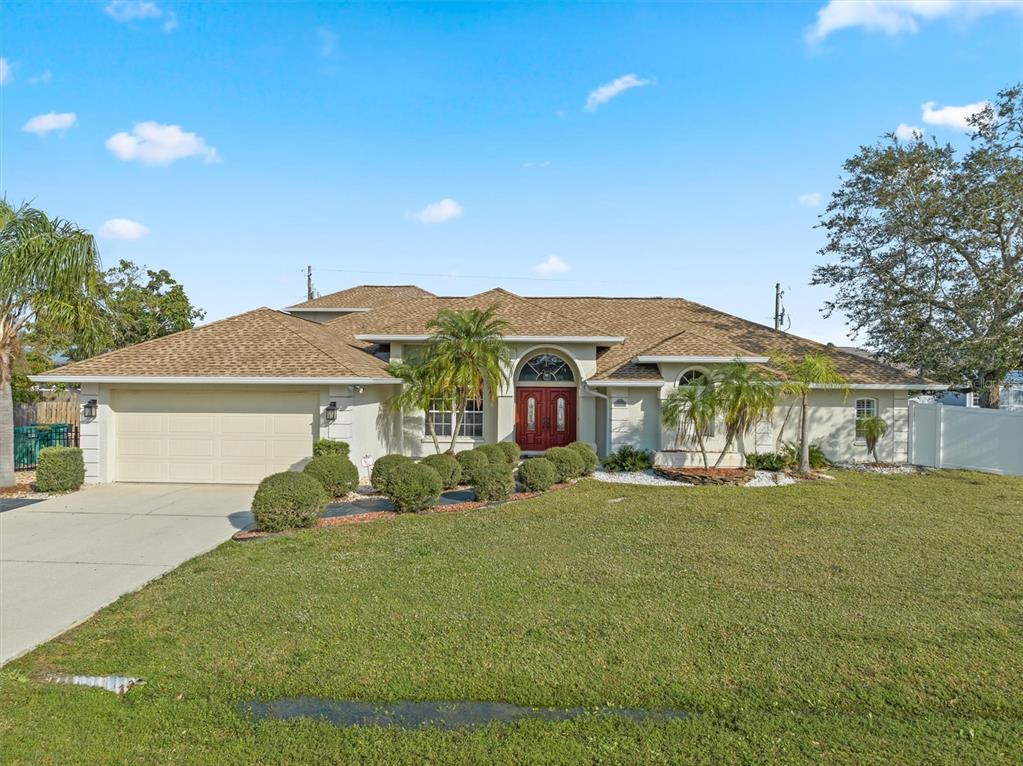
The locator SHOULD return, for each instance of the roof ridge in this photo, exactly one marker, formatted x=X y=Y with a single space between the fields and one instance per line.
x=542 y=308
x=279 y=318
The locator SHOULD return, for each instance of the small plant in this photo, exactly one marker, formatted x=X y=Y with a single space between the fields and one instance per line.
x=471 y=461
x=386 y=467
x=511 y=451
x=330 y=447
x=537 y=474
x=60 y=469
x=567 y=463
x=494 y=482
x=288 y=500
x=589 y=457
x=413 y=487
x=873 y=428
x=766 y=461
x=494 y=453
x=628 y=459
x=816 y=456
x=447 y=467
x=335 y=472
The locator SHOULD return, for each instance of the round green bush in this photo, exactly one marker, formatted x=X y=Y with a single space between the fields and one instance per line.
x=494 y=453
x=329 y=447
x=413 y=488
x=471 y=461
x=385 y=467
x=567 y=463
x=511 y=452
x=447 y=468
x=589 y=457
x=288 y=500
x=60 y=469
x=335 y=472
x=494 y=482
x=537 y=474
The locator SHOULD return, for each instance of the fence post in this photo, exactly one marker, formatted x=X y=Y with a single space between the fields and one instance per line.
x=939 y=458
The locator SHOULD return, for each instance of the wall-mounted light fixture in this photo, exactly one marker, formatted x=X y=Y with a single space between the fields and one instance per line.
x=330 y=414
x=89 y=409
x=356 y=389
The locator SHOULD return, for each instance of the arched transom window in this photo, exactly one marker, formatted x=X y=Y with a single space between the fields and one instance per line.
x=693 y=378
x=546 y=367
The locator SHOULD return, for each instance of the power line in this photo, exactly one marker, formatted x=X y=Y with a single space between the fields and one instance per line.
x=470 y=276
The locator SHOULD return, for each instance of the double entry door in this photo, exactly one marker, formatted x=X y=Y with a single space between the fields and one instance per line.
x=544 y=417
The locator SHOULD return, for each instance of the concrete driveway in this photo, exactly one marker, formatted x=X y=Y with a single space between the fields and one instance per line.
x=62 y=559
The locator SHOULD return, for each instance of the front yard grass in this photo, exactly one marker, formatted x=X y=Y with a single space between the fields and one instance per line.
x=869 y=620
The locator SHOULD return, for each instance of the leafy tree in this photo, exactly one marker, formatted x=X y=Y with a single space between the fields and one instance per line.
x=926 y=250
x=471 y=357
x=746 y=397
x=49 y=270
x=873 y=428
x=801 y=376
x=690 y=411
x=421 y=385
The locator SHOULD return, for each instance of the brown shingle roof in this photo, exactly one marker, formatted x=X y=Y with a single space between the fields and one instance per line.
x=364 y=297
x=259 y=343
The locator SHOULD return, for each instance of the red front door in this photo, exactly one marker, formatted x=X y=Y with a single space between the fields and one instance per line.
x=544 y=417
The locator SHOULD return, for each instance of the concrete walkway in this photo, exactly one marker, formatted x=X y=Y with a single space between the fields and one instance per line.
x=63 y=558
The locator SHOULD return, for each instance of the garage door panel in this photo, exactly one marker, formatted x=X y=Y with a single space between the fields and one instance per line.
x=236 y=437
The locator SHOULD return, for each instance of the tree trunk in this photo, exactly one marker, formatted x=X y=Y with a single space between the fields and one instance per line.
x=433 y=432
x=461 y=404
x=703 y=450
x=989 y=395
x=7 y=478
x=804 y=442
x=728 y=443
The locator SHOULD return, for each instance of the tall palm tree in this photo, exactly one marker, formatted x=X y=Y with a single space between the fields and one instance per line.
x=747 y=397
x=471 y=355
x=690 y=410
x=801 y=376
x=421 y=387
x=49 y=269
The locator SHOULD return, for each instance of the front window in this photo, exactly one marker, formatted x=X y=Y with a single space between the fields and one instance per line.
x=865 y=408
x=697 y=378
x=547 y=367
x=443 y=418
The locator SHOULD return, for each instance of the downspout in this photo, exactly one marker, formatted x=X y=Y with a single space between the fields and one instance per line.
x=607 y=416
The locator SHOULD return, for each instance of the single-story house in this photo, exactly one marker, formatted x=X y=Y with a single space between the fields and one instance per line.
x=237 y=399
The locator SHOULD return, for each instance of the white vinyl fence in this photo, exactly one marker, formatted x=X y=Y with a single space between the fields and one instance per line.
x=966 y=437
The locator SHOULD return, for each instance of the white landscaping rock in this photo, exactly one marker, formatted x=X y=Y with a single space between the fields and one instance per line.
x=647 y=477
x=888 y=469
x=769 y=479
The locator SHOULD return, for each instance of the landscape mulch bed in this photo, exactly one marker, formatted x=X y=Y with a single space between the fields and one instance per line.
x=24 y=485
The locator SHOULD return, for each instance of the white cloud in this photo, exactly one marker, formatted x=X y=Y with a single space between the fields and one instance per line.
x=536 y=164
x=43 y=78
x=5 y=71
x=122 y=228
x=551 y=267
x=908 y=132
x=438 y=212
x=893 y=17
x=609 y=90
x=154 y=144
x=42 y=124
x=810 y=199
x=951 y=116
x=326 y=42
x=123 y=11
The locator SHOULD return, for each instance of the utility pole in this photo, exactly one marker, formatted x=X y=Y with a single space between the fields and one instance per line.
x=309 y=292
x=779 y=311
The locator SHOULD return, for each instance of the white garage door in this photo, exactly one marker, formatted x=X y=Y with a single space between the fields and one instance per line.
x=216 y=437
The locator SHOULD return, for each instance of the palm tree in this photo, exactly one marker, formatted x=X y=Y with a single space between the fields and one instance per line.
x=471 y=356
x=690 y=411
x=747 y=397
x=873 y=428
x=49 y=269
x=800 y=378
x=421 y=387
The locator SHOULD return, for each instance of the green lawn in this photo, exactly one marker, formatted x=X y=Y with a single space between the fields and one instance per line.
x=872 y=619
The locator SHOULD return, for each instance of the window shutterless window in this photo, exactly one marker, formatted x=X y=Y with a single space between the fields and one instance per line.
x=443 y=418
x=865 y=408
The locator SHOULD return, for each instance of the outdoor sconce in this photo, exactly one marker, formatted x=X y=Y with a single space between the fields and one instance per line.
x=356 y=389
x=89 y=409
x=330 y=414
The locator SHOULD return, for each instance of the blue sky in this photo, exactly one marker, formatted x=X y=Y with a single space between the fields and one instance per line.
x=552 y=149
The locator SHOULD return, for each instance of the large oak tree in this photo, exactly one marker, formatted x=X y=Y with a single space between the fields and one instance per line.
x=925 y=250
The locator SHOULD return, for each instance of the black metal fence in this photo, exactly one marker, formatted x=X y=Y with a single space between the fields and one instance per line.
x=28 y=440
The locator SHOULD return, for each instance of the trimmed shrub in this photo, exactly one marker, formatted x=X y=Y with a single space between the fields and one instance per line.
x=494 y=482
x=385 y=467
x=511 y=452
x=335 y=472
x=567 y=463
x=589 y=457
x=766 y=461
x=537 y=474
x=60 y=469
x=330 y=447
x=447 y=468
x=494 y=453
x=413 y=487
x=629 y=459
x=288 y=500
x=471 y=461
